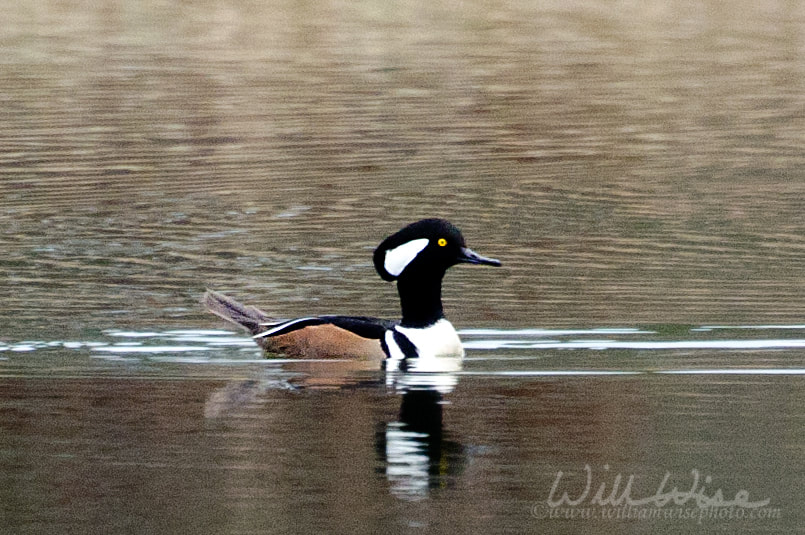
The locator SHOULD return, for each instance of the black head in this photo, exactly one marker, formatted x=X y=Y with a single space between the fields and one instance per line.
x=427 y=246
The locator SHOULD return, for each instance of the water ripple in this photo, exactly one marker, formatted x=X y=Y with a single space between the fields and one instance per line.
x=696 y=350
x=636 y=345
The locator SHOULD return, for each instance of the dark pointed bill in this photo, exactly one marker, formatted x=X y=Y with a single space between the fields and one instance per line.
x=468 y=256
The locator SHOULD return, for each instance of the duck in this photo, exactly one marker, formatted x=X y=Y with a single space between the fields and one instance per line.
x=416 y=258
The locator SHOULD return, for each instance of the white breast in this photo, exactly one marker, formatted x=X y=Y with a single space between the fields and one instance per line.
x=437 y=340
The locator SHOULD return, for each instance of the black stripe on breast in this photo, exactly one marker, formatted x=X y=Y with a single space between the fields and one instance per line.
x=407 y=347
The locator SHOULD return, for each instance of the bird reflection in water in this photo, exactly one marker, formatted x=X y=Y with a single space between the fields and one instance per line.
x=415 y=452
x=416 y=456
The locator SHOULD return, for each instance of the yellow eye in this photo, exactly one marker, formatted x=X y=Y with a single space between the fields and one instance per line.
x=442 y=242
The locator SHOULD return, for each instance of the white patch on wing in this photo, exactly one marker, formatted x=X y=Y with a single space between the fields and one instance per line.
x=397 y=259
x=437 y=340
x=277 y=327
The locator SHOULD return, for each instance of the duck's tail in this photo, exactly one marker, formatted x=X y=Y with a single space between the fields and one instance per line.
x=244 y=316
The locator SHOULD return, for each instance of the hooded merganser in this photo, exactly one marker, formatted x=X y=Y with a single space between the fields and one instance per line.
x=417 y=257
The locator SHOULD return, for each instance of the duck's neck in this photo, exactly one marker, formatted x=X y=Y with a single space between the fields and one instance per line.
x=421 y=300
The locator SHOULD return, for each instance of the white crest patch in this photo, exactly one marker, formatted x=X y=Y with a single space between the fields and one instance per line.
x=397 y=259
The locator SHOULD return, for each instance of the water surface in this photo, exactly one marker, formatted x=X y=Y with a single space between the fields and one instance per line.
x=638 y=169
